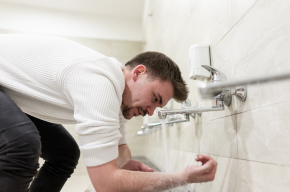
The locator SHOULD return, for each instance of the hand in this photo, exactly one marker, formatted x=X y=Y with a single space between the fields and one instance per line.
x=133 y=165
x=205 y=172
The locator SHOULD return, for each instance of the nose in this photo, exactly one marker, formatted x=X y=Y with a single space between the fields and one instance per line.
x=151 y=109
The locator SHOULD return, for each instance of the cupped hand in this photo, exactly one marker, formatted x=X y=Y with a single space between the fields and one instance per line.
x=205 y=172
x=133 y=165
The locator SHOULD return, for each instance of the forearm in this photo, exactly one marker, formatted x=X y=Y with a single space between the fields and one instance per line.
x=147 y=182
x=103 y=176
x=132 y=181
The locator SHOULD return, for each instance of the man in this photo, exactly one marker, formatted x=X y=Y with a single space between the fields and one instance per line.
x=49 y=81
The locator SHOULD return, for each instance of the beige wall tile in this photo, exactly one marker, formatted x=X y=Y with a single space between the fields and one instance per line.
x=238 y=8
x=247 y=38
x=260 y=46
x=224 y=179
x=190 y=138
x=173 y=156
x=185 y=159
x=261 y=177
x=219 y=137
x=263 y=134
x=260 y=39
x=181 y=13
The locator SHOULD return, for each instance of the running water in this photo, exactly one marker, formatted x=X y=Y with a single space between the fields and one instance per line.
x=163 y=123
x=186 y=188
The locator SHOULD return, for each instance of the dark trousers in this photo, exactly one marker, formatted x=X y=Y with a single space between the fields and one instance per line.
x=23 y=139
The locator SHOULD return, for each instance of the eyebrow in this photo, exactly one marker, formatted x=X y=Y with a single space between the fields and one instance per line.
x=160 y=99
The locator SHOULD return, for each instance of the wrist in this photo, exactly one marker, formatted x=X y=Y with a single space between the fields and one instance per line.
x=184 y=176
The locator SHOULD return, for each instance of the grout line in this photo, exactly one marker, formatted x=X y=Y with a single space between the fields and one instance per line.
x=249 y=160
x=237 y=113
x=236 y=127
x=235 y=24
x=237 y=168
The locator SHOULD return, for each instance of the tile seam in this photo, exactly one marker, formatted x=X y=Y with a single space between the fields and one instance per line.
x=235 y=24
x=249 y=160
x=237 y=113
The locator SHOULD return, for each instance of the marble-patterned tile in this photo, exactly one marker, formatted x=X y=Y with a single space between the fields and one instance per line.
x=214 y=23
x=261 y=177
x=260 y=47
x=190 y=138
x=221 y=57
x=157 y=157
x=237 y=9
x=156 y=138
x=262 y=95
x=173 y=156
x=185 y=159
x=263 y=134
x=225 y=177
x=219 y=137
x=181 y=14
x=260 y=39
x=173 y=136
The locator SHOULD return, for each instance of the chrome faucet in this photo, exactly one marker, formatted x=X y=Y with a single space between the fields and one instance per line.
x=222 y=96
x=168 y=123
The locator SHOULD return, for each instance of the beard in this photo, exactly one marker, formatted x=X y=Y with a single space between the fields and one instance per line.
x=127 y=115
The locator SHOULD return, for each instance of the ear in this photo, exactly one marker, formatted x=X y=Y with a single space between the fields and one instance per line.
x=139 y=71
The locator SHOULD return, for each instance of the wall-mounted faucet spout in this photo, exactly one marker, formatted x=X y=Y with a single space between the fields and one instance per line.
x=222 y=97
x=219 y=107
x=186 y=118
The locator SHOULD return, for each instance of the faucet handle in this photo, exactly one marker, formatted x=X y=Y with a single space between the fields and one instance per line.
x=216 y=75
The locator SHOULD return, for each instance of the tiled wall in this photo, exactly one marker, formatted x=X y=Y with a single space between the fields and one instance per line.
x=250 y=140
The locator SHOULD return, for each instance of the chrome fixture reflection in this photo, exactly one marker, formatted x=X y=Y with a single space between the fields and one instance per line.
x=236 y=87
x=186 y=118
x=192 y=110
x=222 y=97
x=170 y=121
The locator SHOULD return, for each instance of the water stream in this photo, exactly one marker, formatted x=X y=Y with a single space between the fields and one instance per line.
x=163 y=123
x=186 y=188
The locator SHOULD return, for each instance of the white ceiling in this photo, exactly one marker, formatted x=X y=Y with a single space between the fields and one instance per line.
x=119 y=8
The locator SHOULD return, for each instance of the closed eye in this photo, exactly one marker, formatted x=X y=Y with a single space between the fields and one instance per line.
x=155 y=99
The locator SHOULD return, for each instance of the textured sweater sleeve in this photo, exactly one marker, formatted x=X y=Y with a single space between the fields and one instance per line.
x=95 y=95
x=122 y=129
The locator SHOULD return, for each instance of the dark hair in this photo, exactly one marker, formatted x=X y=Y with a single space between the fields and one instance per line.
x=160 y=66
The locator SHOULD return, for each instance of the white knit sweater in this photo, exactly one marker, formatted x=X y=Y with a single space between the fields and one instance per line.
x=63 y=82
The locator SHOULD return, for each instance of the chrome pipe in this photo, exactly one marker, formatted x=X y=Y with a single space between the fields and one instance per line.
x=170 y=122
x=210 y=90
x=162 y=114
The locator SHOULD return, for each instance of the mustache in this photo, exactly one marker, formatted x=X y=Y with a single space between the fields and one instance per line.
x=144 y=112
x=127 y=109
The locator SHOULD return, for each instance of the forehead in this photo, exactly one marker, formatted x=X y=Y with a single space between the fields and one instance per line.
x=164 y=88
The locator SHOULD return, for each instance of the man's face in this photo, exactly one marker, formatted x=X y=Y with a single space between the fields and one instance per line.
x=145 y=95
